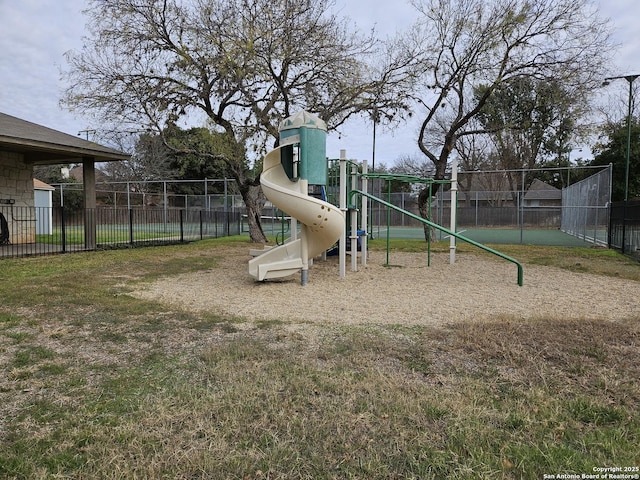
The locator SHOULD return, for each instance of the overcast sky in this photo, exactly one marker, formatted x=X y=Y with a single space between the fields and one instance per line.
x=37 y=33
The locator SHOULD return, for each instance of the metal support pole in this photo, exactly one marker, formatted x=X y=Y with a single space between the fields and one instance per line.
x=206 y=196
x=597 y=207
x=429 y=235
x=476 y=209
x=304 y=238
x=365 y=214
x=454 y=202
x=521 y=213
x=354 y=221
x=630 y=79
x=293 y=222
x=166 y=200
x=224 y=208
x=388 y=220
x=342 y=247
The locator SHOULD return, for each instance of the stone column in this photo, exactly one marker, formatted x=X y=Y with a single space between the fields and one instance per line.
x=89 y=179
x=16 y=197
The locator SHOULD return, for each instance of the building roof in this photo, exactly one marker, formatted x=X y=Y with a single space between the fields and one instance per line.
x=77 y=174
x=42 y=145
x=540 y=190
x=40 y=185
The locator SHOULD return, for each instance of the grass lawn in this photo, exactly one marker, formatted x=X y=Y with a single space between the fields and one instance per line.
x=97 y=384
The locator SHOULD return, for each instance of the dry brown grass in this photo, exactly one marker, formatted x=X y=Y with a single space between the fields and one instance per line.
x=104 y=385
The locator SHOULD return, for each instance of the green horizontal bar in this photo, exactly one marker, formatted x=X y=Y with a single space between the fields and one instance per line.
x=402 y=177
x=445 y=230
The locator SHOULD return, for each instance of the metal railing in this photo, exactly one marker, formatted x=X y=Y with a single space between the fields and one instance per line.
x=445 y=230
x=43 y=230
x=624 y=228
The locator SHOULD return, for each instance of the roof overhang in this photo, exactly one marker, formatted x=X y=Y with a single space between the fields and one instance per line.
x=44 y=146
x=43 y=153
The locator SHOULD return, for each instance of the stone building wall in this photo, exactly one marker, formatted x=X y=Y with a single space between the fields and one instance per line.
x=16 y=197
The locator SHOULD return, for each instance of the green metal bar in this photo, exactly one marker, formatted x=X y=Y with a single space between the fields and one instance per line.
x=447 y=231
x=388 y=219
x=404 y=178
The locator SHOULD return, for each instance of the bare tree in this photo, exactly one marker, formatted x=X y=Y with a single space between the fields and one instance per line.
x=150 y=159
x=413 y=165
x=616 y=105
x=474 y=154
x=468 y=43
x=243 y=65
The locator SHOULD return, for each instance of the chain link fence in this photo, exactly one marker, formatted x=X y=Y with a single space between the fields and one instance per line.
x=207 y=194
x=523 y=200
x=172 y=210
x=585 y=208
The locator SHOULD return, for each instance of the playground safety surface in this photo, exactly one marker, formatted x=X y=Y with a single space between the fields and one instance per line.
x=407 y=292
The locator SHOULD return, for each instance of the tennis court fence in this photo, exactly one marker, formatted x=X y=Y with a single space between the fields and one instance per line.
x=582 y=210
x=514 y=200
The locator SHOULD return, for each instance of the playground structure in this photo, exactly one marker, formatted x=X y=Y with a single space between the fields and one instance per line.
x=300 y=161
x=450 y=232
x=288 y=170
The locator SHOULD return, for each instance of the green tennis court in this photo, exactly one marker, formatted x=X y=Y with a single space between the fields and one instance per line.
x=552 y=237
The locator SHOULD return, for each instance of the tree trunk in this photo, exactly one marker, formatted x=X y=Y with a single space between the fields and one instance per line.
x=423 y=196
x=254 y=200
x=425 y=211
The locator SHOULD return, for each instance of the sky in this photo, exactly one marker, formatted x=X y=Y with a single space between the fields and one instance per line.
x=37 y=33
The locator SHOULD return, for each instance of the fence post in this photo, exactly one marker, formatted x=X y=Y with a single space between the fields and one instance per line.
x=165 y=200
x=224 y=207
x=595 y=223
x=181 y=226
x=476 y=209
x=206 y=196
x=624 y=226
x=63 y=230
x=130 y=226
x=610 y=229
x=453 y=211
x=522 y=193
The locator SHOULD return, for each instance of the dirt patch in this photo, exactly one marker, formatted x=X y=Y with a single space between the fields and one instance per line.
x=409 y=292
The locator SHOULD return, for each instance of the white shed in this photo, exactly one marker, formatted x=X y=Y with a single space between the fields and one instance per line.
x=43 y=201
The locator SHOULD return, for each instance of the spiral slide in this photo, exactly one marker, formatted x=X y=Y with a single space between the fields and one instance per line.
x=322 y=223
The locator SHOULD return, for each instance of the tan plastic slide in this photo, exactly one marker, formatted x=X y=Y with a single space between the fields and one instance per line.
x=322 y=223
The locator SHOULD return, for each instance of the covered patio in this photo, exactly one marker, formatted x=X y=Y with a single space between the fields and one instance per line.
x=24 y=144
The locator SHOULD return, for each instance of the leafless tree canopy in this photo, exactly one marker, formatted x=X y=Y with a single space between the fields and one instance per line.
x=244 y=65
x=466 y=44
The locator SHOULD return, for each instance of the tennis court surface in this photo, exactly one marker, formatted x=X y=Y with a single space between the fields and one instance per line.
x=552 y=237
